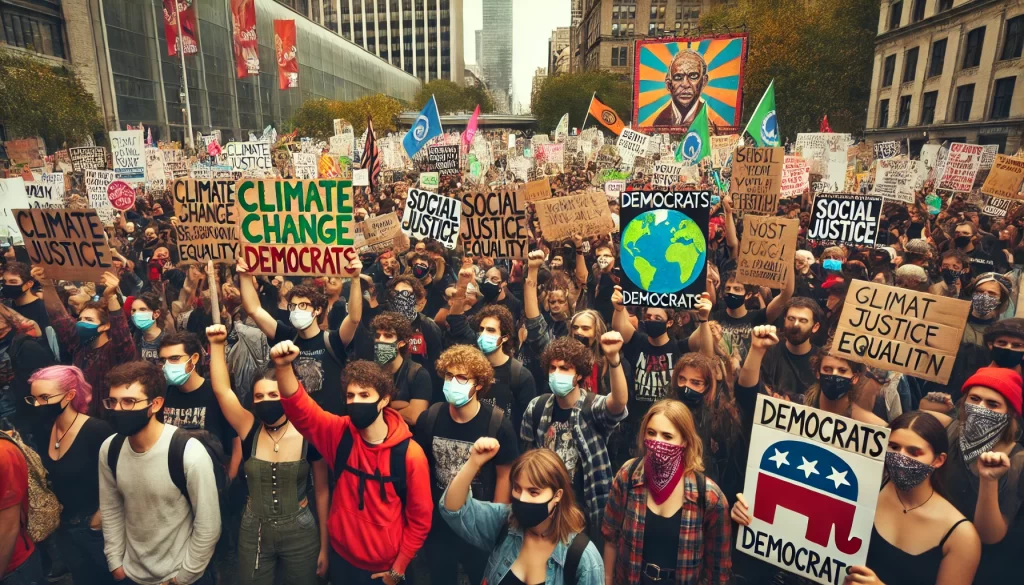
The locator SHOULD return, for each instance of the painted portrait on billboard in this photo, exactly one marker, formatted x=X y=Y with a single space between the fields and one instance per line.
x=673 y=78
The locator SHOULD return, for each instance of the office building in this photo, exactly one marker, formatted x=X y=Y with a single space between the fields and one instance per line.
x=948 y=70
x=479 y=38
x=539 y=76
x=496 y=53
x=559 y=53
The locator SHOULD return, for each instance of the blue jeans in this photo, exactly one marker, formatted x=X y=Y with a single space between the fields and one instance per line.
x=28 y=573
x=81 y=548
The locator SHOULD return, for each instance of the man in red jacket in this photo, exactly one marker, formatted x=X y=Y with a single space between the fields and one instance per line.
x=380 y=515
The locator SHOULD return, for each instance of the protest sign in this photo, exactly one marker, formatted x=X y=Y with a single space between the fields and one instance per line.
x=121 y=195
x=795 y=177
x=444 y=159
x=930 y=154
x=88 y=157
x=494 y=225
x=126 y=150
x=888 y=149
x=722 y=148
x=96 y=183
x=429 y=215
x=207 y=215
x=988 y=156
x=69 y=243
x=585 y=213
x=26 y=151
x=898 y=179
x=538 y=190
x=663 y=253
x=361 y=177
x=430 y=181
x=631 y=144
x=900 y=330
x=962 y=165
x=156 y=173
x=811 y=485
x=996 y=207
x=12 y=196
x=305 y=165
x=844 y=218
x=757 y=179
x=666 y=174
x=295 y=227
x=379 y=233
x=614 y=188
x=45 y=194
x=767 y=251
x=1005 y=178
x=252 y=157
x=551 y=153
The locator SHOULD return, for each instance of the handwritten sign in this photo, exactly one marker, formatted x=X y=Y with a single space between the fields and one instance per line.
x=795 y=177
x=494 y=225
x=843 y=218
x=126 y=149
x=206 y=212
x=121 y=195
x=45 y=194
x=430 y=215
x=897 y=179
x=445 y=159
x=1005 y=178
x=997 y=207
x=667 y=174
x=361 y=177
x=900 y=330
x=722 y=148
x=767 y=251
x=962 y=165
x=631 y=144
x=379 y=233
x=538 y=190
x=12 y=196
x=252 y=157
x=70 y=243
x=430 y=181
x=305 y=164
x=988 y=157
x=585 y=213
x=96 y=184
x=87 y=158
x=757 y=179
x=886 y=150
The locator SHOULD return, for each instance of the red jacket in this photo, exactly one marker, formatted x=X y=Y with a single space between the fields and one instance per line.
x=382 y=535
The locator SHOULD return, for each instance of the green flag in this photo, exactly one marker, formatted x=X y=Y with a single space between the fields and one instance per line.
x=696 y=145
x=563 y=127
x=763 y=127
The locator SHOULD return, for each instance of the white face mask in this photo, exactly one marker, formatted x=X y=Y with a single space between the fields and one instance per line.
x=604 y=262
x=300 y=319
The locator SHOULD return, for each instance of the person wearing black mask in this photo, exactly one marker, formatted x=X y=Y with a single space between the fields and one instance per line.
x=21 y=355
x=494 y=290
x=423 y=268
x=736 y=320
x=1005 y=342
x=954 y=273
x=967 y=240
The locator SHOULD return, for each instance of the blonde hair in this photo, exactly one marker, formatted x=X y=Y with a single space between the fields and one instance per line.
x=544 y=469
x=679 y=415
x=470 y=359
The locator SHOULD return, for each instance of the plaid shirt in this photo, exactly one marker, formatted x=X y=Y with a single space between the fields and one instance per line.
x=590 y=431
x=704 y=550
x=96 y=362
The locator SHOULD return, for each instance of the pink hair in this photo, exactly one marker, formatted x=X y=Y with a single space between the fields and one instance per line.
x=68 y=378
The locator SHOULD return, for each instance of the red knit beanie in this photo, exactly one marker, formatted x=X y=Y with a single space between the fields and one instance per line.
x=1003 y=380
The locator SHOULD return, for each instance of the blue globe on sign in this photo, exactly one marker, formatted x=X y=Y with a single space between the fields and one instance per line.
x=663 y=250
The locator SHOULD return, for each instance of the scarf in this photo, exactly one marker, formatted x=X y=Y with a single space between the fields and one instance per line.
x=981 y=431
x=663 y=468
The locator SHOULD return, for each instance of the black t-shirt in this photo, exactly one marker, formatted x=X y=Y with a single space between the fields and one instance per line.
x=198 y=410
x=319 y=372
x=75 y=477
x=312 y=454
x=419 y=388
x=559 y=439
x=512 y=399
x=514 y=306
x=737 y=330
x=34 y=311
x=787 y=373
x=652 y=367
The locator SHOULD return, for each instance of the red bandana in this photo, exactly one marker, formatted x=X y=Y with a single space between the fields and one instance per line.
x=663 y=468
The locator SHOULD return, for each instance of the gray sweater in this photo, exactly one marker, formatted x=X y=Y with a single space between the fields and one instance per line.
x=149 y=529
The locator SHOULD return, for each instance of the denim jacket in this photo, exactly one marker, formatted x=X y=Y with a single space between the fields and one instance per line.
x=479 y=524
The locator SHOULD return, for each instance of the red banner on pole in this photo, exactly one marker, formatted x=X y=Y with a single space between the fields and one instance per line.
x=186 y=14
x=287 y=54
x=243 y=19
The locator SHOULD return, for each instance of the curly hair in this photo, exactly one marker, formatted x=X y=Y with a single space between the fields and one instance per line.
x=417 y=286
x=570 y=351
x=392 y=322
x=368 y=375
x=316 y=296
x=19 y=269
x=506 y=324
x=472 y=361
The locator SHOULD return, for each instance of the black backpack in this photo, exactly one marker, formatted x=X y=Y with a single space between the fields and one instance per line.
x=572 y=556
x=397 y=477
x=176 y=459
x=429 y=420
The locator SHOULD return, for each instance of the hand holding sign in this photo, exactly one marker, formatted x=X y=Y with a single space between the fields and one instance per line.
x=740 y=511
x=354 y=268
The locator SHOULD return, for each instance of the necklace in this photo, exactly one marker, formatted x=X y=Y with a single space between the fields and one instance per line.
x=277 y=440
x=905 y=509
x=56 y=444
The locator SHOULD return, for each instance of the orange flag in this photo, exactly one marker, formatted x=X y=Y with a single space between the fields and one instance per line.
x=605 y=115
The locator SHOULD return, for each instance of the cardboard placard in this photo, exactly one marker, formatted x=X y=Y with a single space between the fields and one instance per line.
x=494 y=225
x=69 y=243
x=430 y=181
x=121 y=195
x=1005 y=178
x=305 y=164
x=430 y=215
x=897 y=179
x=251 y=157
x=538 y=190
x=844 y=218
x=961 y=168
x=379 y=233
x=795 y=177
x=811 y=485
x=663 y=251
x=26 y=151
x=445 y=159
x=96 y=184
x=666 y=174
x=206 y=214
x=631 y=144
x=614 y=188
x=126 y=150
x=88 y=157
x=722 y=148
x=900 y=330
x=757 y=179
x=767 y=251
x=585 y=213
x=888 y=149
x=302 y=228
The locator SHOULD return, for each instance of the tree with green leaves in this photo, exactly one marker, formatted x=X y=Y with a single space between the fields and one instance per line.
x=315 y=118
x=571 y=93
x=452 y=98
x=38 y=99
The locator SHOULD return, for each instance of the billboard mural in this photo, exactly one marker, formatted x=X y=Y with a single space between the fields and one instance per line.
x=674 y=77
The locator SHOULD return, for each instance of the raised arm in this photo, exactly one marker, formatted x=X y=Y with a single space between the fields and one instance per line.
x=251 y=302
x=582 y=272
x=620 y=318
x=778 y=304
x=350 y=325
x=730 y=227
x=611 y=345
x=531 y=306
x=120 y=335
x=988 y=519
x=237 y=416
x=762 y=337
x=704 y=335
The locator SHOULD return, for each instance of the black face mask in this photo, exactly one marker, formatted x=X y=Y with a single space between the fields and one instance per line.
x=1005 y=357
x=654 y=327
x=530 y=514
x=834 y=387
x=44 y=416
x=962 y=241
x=363 y=413
x=11 y=291
x=949 y=276
x=420 y=271
x=690 y=397
x=128 y=422
x=584 y=340
x=734 y=301
x=268 y=411
x=490 y=290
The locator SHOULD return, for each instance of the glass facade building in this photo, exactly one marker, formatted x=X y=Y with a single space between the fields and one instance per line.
x=496 y=62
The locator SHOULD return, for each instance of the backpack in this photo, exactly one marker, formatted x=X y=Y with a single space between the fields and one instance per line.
x=572 y=556
x=429 y=419
x=538 y=410
x=176 y=459
x=397 y=477
x=43 y=507
x=330 y=349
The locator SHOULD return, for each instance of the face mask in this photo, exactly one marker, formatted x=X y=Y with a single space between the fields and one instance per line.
x=47 y=414
x=268 y=411
x=128 y=422
x=530 y=514
x=404 y=303
x=457 y=394
x=905 y=472
x=834 y=387
x=983 y=304
x=949 y=276
x=663 y=468
x=981 y=430
x=654 y=327
x=690 y=397
x=143 y=320
x=561 y=384
x=87 y=332
x=584 y=340
x=177 y=374
x=734 y=301
x=10 y=291
x=384 y=352
x=490 y=290
x=604 y=262
x=300 y=319
x=363 y=413
x=1005 y=357
x=962 y=241
x=488 y=343
x=420 y=271
x=832 y=264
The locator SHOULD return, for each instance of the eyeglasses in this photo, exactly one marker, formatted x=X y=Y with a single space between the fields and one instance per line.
x=300 y=306
x=41 y=400
x=174 y=359
x=448 y=376
x=126 y=403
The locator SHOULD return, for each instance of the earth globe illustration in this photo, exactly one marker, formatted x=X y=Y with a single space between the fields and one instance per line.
x=663 y=250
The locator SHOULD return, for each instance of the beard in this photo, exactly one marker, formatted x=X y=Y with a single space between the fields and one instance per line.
x=796 y=336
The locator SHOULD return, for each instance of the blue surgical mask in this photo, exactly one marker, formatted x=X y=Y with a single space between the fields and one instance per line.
x=457 y=394
x=87 y=332
x=488 y=343
x=143 y=319
x=177 y=374
x=561 y=384
x=832 y=264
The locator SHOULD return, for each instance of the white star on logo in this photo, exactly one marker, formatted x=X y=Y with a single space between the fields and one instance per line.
x=779 y=458
x=808 y=467
x=838 y=478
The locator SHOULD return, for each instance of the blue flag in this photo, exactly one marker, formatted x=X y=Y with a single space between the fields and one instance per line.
x=426 y=126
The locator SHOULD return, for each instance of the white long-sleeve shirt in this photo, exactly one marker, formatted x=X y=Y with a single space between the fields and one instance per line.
x=149 y=529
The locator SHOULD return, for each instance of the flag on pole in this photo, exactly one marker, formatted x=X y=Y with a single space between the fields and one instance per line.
x=426 y=126
x=605 y=115
x=371 y=156
x=696 y=145
x=286 y=50
x=763 y=128
x=824 y=125
x=185 y=12
x=467 y=136
x=563 y=126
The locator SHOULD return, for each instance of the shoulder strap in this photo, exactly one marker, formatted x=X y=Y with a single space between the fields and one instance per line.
x=176 y=461
x=572 y=558
x=342 y=453
x=397 y=473
x=702 y=488
x=632 y=469
x=517 y=373
x=950 y=532
x=429 y=418
x=538 y=412
x=588 y=402
x=329 y=347
x=114 y=452
x=497 y=416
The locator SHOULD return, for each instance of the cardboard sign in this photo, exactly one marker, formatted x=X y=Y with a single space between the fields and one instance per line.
x=757 y=179
x=1005 y=178
x=551 y=153
x=962 y=166
x=988 y=156
x=900 y=330
x=722 y=148
x=96 y=185
x=538 y=190
x=121 y=195
x=12 y=196
x=897 y=179
x=889 y=149
x=296 y=227
x=494 y=225
x=585 y=213
x=379 y=233
x=305 y=165
x=429 y=215
x=843 y=218
x=812 y=486
x=253 y=157
x=767 y=251
x=70 y=243
x=430 y=181
x=667 y=174
x=126 y=150
x=795 y=177
x=26 y=151
x=631 y=144
x=445 y=159
x=361 y=177
x=88 y=157
x=614 y=188
x=663 y=252
x=206 y=214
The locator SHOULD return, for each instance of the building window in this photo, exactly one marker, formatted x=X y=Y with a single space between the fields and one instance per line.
x=620 y=56
x=895 y=12
x=889 y=71
x=1014 y=41
x=917 y=14
x=883 y=113
x=32 y=31
x=964 y=99
x=938 y=58
x=972 y=51
x=903 y=116
x=943 y=5
x=910 y=65
x=1001 y=98
x=928 y=101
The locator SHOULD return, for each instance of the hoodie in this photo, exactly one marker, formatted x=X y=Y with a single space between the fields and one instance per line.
x=383 y=535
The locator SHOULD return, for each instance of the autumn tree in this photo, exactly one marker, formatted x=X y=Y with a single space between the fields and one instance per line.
x=571 y=93
x=452 y=98
x=315 y=118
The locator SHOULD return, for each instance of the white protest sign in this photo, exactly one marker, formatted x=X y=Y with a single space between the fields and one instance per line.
x=12 y=196
x=795 y=177
x=96 y=185
x=43 y=195
x=930 y=154
x=962 y=166
x=126 y=149
x=988 y=156
x=429 y=215
x=251 y=157
x=305 y=164
x=897 y=179
x=631 y=144
x=889 y=149
x=360 y=177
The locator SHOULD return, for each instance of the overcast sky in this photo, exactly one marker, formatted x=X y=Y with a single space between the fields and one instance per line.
x=533 y=21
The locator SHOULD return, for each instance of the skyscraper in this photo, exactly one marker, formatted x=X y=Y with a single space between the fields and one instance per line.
x=497 y=51
x=479 y=46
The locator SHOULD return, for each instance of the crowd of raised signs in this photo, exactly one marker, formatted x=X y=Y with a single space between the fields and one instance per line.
x=436 y=369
